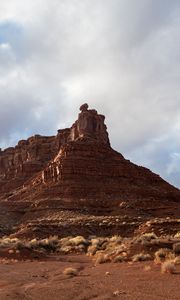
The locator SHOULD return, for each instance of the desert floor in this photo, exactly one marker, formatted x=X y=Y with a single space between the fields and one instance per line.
x=41 y=280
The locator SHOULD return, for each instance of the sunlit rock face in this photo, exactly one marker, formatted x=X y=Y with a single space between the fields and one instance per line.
x=18 y=164
x=89 y=131
x=78 y=167
x=86 y=169
x=89 y=125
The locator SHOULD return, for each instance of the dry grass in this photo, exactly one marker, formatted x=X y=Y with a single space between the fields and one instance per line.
x=150 y=235
x=49 y=244
x=116 y=239
x=101 y=259
x=70 y=272
x=141 y=257
x=177 y=260
x=9 y=242
x=118 y=259
x=163 y=254
x=102 y=249
x=177 y=235
x=147 y=268
x=145 y=238
x=92 y=249
x=168 y=267
x=78 y=240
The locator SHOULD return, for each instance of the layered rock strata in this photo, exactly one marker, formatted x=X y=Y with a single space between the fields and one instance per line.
x=78 y=171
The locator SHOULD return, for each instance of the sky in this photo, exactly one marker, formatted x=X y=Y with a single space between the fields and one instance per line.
x=120 y=56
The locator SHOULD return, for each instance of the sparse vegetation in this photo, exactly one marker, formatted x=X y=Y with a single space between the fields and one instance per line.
x=102 y=249
x=70 y=271
x=146 y=238
x=168 y=267
x=118 y=259
x=149 y=236
x=101 y=259
x=147 y=268
x=177 y=235
x=162 y=255
x=141 y=257
x=177 y=260
x=78 y=240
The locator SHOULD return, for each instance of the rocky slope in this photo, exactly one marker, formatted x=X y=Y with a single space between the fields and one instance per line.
x=46 y=181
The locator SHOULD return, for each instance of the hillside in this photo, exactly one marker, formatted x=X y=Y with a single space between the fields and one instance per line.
x=75 y=180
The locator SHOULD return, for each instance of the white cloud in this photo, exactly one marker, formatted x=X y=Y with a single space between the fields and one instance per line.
x=121 y=56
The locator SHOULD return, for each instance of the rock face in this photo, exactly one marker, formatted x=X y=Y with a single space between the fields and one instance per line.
x=78 y=169
x=90 y=125
x=19 y=164
x=22 y=162
x=80 y=144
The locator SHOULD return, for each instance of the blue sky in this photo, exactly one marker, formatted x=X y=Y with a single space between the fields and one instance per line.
x=10 y=31
x=120 y=56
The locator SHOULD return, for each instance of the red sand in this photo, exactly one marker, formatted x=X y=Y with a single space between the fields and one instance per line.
x=41 y=280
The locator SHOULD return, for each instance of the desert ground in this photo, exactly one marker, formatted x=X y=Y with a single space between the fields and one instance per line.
x=44 y=280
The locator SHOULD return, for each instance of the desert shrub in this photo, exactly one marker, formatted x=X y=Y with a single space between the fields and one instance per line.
x=177 y=260
x=101 y=259
x=81 y=248
x=120 y=249
x=97 y=244
x=78 y=240
x=168 y=267
x=49 y=244
x=141 y=257
x=91 y=250
x=33 y=243
x=150 y=235
x=65 y=249
x=65 y=241
x=114 y=249
x=118 y=259
x=70 y=271
x=146 y=238
x=176 y=248
x=177 y=235
x=100 y=242
x=13 y=243
x=21 y=245
x=163 y=254
x=116 y=239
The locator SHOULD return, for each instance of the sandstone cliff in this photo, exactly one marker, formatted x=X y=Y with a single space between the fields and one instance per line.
x=78 y=170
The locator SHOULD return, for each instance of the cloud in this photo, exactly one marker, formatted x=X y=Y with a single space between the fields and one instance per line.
x=121 y=56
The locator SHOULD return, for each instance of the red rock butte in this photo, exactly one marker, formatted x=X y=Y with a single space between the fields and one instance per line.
x=78 y=170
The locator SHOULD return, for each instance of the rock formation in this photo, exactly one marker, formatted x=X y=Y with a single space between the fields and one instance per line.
x=78 y=170
x=22 y=162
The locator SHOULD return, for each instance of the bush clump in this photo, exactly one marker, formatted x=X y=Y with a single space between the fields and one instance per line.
x=168 y=267
x=141 y=257
x=70 y=272
x=163 y=254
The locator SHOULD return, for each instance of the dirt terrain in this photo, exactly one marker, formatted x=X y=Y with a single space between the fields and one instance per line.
x=45 y=280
